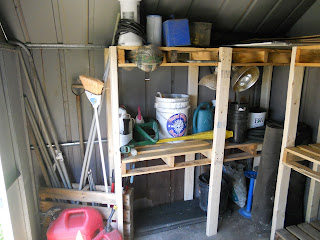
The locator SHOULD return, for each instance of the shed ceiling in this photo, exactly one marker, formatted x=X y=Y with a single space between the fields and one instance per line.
x=92 y=21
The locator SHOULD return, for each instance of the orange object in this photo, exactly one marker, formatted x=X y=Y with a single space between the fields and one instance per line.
x=91 y=84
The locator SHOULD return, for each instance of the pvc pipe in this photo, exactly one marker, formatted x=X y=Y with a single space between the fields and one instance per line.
x=45 y=111
x=43 y=150
x=41 y=119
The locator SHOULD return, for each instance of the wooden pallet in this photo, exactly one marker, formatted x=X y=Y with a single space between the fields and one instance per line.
x=303 y=231
x=210 y=56
x=311 y=152
x=168 y=151
x=48 y=197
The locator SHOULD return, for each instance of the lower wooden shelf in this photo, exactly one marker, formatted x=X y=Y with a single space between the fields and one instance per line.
x=168 y=151
x=305 y=231
x=293 y=155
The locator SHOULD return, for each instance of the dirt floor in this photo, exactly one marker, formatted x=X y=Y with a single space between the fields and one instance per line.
x=232 y=226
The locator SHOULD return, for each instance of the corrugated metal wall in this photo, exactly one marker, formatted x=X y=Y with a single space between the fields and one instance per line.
x=14 y=151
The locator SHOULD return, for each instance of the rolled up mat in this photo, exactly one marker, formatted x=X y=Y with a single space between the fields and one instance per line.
x=263 y=197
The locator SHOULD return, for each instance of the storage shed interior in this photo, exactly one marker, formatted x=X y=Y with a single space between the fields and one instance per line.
x=68 y=38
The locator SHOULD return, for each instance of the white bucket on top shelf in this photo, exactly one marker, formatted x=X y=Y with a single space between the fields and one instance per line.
x=130 y=10
x=172 y=111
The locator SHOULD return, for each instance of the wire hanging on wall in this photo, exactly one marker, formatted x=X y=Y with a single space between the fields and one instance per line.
x=126 y=26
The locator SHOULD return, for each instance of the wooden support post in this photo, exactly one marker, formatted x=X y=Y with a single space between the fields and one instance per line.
x=193 y=75
x=115 y=133
x=288 y=140
x=265 y=97
x=220 y=123
x=314 y=192
x=266 y=87
x=109 y=121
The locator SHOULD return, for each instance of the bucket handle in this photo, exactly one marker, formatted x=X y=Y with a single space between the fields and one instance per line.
x=159 y=94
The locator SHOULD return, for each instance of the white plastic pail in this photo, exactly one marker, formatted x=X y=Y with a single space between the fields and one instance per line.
x=256 y=119
x=172 y=111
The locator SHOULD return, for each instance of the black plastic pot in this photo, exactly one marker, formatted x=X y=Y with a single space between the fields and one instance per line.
x=238 y=121
x=204 y=191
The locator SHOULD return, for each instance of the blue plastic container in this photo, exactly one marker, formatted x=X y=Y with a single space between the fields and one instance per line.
x=176 y=32
x=203 y=118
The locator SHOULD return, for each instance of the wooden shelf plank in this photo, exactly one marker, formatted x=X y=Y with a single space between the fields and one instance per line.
x=311 y=231
x=77 y=195
x=167 y=150
x=303 y=154
x=285 y=235
x=299 y=233
x=163 y=168
x=239 y=156
x=304 y=170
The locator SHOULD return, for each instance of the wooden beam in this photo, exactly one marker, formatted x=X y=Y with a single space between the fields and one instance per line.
x=266 y=87
x=115 y=133
x=288 y=140
x=299 y=233
x=76 y=195
x=314 y=192
x=193 y=78
x=109 y=121
x=220 y=123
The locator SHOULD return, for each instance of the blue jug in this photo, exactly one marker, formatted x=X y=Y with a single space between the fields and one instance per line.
x=203 y=118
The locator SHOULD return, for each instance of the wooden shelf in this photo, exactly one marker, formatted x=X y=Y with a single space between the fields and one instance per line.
x=306 y=231
x=168 y=151
x=308 y=56
x=311 y=152
x=210 y=56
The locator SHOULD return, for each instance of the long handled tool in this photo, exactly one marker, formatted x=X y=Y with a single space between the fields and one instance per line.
x=92 y=134
x=93 y=89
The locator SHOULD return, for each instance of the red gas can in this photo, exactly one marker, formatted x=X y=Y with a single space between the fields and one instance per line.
x=113 y=235
x=87 y=220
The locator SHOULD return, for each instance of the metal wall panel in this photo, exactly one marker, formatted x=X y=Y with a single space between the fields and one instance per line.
x=39 y=20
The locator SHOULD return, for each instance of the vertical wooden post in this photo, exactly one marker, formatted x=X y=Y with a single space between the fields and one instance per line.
x=266 y=87
x=115 y=133
x=220 y=123
x=314 y=192
x=109 y=121
x=288 y=140
x=265 y=97
x=193 y=75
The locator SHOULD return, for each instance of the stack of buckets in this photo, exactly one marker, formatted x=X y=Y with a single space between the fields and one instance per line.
x=172 y=111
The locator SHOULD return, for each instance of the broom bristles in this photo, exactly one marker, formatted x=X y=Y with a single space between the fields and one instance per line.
x=91 y=84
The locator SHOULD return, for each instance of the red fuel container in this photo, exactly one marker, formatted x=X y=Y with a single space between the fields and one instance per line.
x=87 y=220
x=113 y=235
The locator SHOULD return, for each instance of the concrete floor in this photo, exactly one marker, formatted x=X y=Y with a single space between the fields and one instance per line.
x=232 y=226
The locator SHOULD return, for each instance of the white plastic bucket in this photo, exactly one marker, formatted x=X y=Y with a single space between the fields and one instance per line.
x=130 y=10
x=125 y=139
x=172 y=112
x=256 y=119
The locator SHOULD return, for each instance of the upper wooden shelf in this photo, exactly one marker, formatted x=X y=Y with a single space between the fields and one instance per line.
x=308 y=56
x=210 y=56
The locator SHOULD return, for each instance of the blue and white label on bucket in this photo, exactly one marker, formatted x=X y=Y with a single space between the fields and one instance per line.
x=177 y=125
